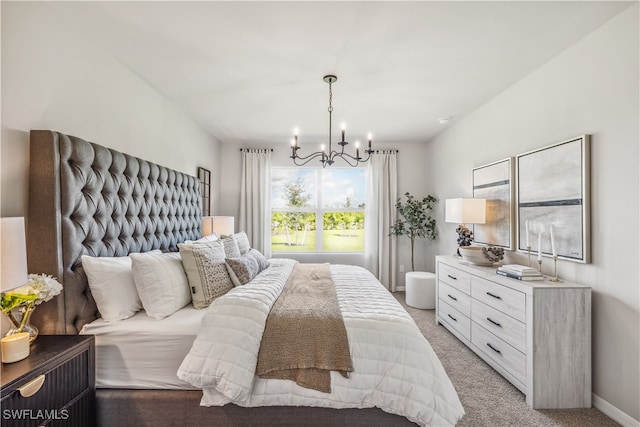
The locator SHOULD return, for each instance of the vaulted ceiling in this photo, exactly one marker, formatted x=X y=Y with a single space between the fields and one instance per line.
x=252 y=71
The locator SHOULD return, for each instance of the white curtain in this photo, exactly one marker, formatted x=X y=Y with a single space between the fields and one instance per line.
x=255 y=198
x=380 y=213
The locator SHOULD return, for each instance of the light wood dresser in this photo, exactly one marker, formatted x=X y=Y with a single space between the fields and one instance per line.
x=537 y=334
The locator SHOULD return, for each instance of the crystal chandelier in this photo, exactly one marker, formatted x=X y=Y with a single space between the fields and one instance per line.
x=327 y=157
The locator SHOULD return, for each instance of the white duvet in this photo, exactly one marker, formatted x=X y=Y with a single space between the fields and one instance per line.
x=395 y=368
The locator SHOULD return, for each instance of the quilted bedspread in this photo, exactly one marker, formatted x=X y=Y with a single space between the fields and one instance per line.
x=394 y=367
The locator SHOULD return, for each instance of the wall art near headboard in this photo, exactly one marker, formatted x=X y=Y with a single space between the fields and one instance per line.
x=553 y=186
x=493 y=182
x=204 y=176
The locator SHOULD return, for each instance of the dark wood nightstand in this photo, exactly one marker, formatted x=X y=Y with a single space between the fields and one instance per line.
x=67 y=395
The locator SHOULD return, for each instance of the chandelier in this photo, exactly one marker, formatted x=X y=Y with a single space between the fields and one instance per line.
x=327 y=157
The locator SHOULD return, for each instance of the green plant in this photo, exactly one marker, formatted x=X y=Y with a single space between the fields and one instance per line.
x=415 y=220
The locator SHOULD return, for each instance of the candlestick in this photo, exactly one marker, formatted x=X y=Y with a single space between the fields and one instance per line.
x=553 y=243
x=529 y=255
x=539 y=247
x=526 y=228
x=555 y=269
x=540 y=265
x=343 y=129
x=369 y=136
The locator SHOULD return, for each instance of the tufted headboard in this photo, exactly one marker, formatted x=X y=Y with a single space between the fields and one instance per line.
x=88 y=199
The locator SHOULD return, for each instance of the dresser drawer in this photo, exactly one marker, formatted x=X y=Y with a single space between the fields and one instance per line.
x=454 y=277
x=499 y=351
x=500 y=297
x=455 y=298
x=504 y=327
x=455 y=319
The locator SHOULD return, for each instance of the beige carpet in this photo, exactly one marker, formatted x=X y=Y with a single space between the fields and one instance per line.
x=488 y=399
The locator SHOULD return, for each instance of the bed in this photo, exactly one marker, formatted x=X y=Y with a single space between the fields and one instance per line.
x=86 y=199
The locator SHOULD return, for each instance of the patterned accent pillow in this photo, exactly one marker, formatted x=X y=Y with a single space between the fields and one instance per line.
x=242 y=269
x=243 y=242
x=231 y=249
x=262 y=261
x=206 y=271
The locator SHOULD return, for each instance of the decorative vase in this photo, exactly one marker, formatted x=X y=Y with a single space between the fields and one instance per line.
x=21 y=322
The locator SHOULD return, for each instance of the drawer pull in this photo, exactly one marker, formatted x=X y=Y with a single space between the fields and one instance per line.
x=494 y=322
x=493 y=348
x=32 y=387
x=495 y=296
x=451 y=277
x=453 y=298
x=453 y=318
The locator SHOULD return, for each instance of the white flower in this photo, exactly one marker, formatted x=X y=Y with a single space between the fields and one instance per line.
x=45 y=286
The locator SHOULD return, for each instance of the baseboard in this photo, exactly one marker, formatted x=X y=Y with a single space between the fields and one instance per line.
x=612 y=412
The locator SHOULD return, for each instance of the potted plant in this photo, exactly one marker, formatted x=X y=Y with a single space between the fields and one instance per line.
x=415 y=220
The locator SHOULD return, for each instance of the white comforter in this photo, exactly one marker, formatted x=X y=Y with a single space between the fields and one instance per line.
x=395 y=368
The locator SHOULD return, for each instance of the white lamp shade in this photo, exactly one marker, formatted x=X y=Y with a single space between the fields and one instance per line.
x=465 y=211
x=13 y=253
x=221 y=225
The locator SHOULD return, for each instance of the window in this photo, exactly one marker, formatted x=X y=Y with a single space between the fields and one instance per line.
x=317 y=210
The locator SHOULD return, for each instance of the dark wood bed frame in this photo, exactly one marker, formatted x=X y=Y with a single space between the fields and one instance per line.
x=88 y=199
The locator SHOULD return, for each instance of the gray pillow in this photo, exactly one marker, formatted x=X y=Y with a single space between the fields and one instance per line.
x=261 y=260
x=231 y=249
x=242 y=269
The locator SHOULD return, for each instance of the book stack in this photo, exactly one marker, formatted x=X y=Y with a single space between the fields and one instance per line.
x=520 y=272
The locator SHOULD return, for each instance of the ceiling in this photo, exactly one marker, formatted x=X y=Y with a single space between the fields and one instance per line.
x=249 y=72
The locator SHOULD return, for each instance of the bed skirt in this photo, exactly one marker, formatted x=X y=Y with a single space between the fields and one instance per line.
x=182 y=408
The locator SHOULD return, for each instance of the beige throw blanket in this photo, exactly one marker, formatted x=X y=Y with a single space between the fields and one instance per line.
x=305 y=338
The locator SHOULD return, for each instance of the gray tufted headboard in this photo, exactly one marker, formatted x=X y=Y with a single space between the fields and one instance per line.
x=88 y=199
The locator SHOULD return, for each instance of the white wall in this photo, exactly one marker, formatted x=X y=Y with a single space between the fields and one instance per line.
x=590 y=88
x=411 y=178
x=55 y=78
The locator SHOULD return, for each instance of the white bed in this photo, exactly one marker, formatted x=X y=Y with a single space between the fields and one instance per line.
x=395 y=368
x=142 y=352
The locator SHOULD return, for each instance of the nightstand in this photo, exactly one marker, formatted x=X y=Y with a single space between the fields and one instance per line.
x=66 y=366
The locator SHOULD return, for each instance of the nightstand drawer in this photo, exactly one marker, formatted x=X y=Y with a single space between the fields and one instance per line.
x=455 y=319
x=455 y=298
x=500 y=297
x=60 y=386
x=65 y=364
x=504 y=327
x=502 y=353
x=454 y=277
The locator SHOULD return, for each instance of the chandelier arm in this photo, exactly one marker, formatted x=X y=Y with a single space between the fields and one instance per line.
x=305 y=160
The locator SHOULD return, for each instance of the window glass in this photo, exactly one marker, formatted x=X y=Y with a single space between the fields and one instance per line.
x=317 y=210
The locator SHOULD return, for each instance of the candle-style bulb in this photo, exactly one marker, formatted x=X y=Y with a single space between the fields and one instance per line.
x=344 y=127
x=369 y=137
x=322 y=148
x=296 y=131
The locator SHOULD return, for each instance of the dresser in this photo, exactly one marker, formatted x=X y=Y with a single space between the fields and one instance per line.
x=537 y=334
x=54 y=386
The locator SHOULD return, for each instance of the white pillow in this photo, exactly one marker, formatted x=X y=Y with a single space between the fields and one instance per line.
x=204 y=239
x=243 y=242
x=161 y=282
x=206 y=271
x=112 y=286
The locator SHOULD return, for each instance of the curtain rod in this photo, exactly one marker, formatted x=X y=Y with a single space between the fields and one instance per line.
x=270 y=149
x=382 y=151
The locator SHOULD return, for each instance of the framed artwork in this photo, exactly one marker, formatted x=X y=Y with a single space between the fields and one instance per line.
x=204 y=176
x=493 y=182
x=553 y=191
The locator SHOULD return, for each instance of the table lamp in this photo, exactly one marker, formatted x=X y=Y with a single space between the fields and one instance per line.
x=465 y=211
x=221 y=225
x=13 y=274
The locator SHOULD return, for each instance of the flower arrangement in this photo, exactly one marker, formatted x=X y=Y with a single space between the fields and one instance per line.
x=39 y=288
